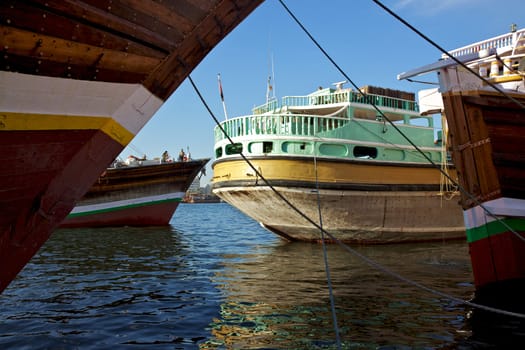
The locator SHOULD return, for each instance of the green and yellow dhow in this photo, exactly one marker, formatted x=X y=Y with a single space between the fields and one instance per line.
x=334 y=156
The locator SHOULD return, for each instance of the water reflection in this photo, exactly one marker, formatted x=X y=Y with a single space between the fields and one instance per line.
x=105 y=287
x=96 y=255
x=502 y=330
x=281 y=299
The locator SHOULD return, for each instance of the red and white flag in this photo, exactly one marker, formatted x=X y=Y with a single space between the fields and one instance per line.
x=222 y=96
x=220 y=87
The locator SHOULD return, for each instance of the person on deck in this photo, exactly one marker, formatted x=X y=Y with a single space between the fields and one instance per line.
x=165 y=157
x=182 y=155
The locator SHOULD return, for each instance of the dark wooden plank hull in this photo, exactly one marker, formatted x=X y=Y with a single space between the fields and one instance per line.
x=484 y=104
x=488 y=133
x=38 y=191
x=485 y=130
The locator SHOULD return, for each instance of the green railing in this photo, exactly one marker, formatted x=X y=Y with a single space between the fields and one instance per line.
x=269 y=106
x=338 y=97
x=275 y=124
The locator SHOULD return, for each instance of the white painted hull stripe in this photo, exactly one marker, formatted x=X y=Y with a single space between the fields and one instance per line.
x=127 y=202
x=131 y=105
x=509 y=207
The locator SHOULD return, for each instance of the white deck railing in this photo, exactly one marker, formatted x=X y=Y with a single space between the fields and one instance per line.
x=337 y=97
x=505 y=40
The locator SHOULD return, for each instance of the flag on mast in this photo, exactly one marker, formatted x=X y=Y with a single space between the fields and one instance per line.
x=269 y=89
x=222 y=96
x=220 y=87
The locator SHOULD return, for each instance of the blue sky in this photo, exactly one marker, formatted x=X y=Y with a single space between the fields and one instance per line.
x=368 y=44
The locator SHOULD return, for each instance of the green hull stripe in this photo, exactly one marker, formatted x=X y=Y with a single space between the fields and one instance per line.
x=494 y=228
x=123 y=207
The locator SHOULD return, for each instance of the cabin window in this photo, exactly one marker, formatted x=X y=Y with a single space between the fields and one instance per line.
x=365 y=152
x=235 y=148
x=332 y=149
x=267 y=147
x=394 y=154
x=260 y=147
x=255 y=147
x=218 y=152
x=293 y=147
x=427 y=122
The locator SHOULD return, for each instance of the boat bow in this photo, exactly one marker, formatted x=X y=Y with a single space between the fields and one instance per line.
x=78 y=80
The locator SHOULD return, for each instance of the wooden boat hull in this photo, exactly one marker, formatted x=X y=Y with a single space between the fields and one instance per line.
x=78 y=80
x=359 y=202
x=135 y=196
x=483 y=101
x=151 y=212
x=486 y=133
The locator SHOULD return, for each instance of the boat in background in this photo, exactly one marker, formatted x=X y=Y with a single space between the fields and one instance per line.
x=137 y=193
x=334 y=157
x=483 y=99
x=201 y=198
x=78 y=80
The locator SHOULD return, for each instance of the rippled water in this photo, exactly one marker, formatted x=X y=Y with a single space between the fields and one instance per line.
x=216 y=280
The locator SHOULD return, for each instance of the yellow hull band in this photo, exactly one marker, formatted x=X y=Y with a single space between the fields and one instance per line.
x=343 y=172
x=40 y=122
x=505 y=78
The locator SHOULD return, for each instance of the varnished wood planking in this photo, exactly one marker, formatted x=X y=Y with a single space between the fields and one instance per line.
x=172 y=19
x=107 y=17
x=178 y=174
x=488 y=181
x=472 y=153
x=145 y=174
x=67 y=53
x=506 y=126
x=494 y=126
x=505 y=123
x=459 y=136
x=200 y=42
x=74 y=71
x=129 y=41
x=111 y=33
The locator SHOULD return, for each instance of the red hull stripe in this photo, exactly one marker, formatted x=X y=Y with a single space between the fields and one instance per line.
x=497 y=258
x=496 y=253
x=39 y=168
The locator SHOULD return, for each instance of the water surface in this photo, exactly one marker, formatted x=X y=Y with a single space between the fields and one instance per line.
x=215 y=279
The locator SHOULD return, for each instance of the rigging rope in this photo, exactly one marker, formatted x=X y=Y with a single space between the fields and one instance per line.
x=325 y=257
x=437 y=166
